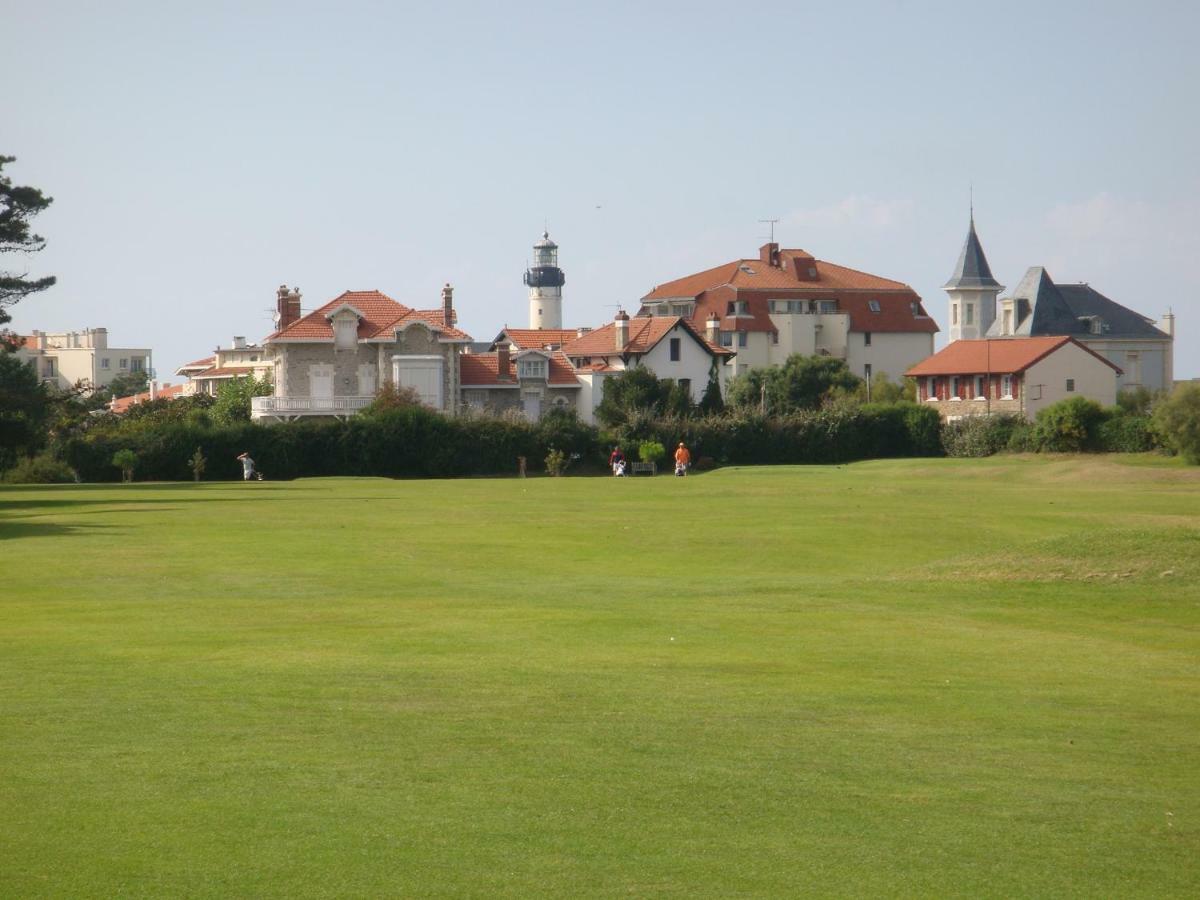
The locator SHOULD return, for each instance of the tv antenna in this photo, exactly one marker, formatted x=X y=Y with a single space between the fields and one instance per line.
x=772 y=223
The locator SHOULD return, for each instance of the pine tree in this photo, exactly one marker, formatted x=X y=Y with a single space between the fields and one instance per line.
x=18 y=205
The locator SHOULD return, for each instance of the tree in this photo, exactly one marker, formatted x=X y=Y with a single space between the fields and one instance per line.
x=802 y=382
x=233 y=399
x=125 y=460
x=18 y=205
x=125 y=385
x=711 y=403
x=24 y=408
x=634 y=390
x=1177 y=419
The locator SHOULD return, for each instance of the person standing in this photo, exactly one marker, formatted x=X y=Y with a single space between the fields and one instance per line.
x=615 y=458
x=683 y=459
x=247 y=467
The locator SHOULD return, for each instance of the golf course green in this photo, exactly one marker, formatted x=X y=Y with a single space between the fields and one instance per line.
x=902 y=678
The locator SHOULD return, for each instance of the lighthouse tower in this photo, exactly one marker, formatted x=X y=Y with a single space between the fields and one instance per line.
x=545 y=280
x=973 y=290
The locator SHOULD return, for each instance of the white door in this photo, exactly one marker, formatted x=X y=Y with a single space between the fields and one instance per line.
x=320 y=384
x=366 y=381
x=533 y=406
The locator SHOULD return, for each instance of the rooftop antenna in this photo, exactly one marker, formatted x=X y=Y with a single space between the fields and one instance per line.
x=971 y=201
x=772 y=223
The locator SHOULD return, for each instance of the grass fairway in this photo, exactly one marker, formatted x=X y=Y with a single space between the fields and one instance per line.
x=920 y=677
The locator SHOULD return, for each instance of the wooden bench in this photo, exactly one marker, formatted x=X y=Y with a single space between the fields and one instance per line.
x=649 y=467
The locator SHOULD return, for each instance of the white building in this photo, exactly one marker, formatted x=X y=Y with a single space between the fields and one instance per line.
x=669 y=346
x=239 y=360
x=67 y=358
x=787 y=302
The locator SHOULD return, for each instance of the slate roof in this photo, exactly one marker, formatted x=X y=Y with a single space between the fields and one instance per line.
x=1063 y=308
x=972 y=270
x=1001 y=356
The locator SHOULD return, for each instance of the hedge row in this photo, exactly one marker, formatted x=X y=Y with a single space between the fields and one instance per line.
x=410 y=442
x=1071 y=426
x=414 y=442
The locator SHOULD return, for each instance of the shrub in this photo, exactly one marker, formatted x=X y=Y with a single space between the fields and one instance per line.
x=1177 y=419
x=41 y=469
x=980 y=435
x=1069 y=426
x=197 y=463
x=1121 y=433
x=556 y=462
x=125 y=460
x=651 y=452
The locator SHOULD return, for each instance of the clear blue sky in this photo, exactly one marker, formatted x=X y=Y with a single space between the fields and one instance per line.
x=202 y=154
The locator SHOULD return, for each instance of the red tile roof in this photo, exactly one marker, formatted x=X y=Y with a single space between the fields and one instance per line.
x=1003 y=356
x=381 y=315
x=481 y=370
x=198 y=364
x=644 y=333
x=225 y=372
x=757 y=282
x=537 y=338
x=121 y=405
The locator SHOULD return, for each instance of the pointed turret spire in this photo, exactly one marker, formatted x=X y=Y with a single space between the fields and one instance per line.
x=972 y=270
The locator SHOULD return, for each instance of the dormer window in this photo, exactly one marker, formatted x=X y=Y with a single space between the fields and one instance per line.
x=873 y=305
x=345 y=333
x=531 y=368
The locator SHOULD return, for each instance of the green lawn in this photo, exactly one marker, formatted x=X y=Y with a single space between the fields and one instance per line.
x=921 y=677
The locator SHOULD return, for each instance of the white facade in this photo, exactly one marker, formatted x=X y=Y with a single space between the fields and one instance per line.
x=67 y=358
x=1069 y=371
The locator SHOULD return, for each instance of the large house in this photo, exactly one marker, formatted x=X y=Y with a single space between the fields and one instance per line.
x=332 y=361
x=786 y=302
x=67 y=358
x=670 y=346
x=1012 y=375
x=239 y=360
x=1037 y=307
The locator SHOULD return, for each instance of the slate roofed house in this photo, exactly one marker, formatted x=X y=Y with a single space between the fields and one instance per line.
x=332 y=361
x=1012 y=375
x=786 y=301
x=1038 y=307
x=670 y=346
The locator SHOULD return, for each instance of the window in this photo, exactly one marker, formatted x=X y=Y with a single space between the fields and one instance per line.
x=979 y=387
x=48 y=369
x=969 y=310
x=476 y=399
x=828 y=306
x=104 y=363
x=774 y=337
x=873 y=305
x=953 y=313
x=421 y=373
x=345 y=333
x=123 y=364
x=675 y=349
x=916 y=309
x=741 y=338
x=954 y=388
x=137 y=364
x=930 y=388
x=1070 y=385
x=866 y=339
x=686 y=384
x=531 y=368
x=1006 y=386
x=726 y=338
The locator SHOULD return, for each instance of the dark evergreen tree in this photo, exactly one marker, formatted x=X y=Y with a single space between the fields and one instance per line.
x=18 y=205
x=711 y=403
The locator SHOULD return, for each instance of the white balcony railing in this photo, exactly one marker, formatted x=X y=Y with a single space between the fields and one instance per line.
x=287 y=407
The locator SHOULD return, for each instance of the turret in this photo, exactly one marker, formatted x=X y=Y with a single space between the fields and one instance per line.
x=973 y=291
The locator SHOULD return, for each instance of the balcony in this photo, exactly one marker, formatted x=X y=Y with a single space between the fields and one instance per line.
x=287 y=408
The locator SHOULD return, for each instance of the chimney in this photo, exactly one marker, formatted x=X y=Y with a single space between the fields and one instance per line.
x=239 y=342
x=448 y=317
x=1168 y=323
x=769 y=254
x=712 y=329
x=287 y=307
x=503 y=369
x=581 y=331
x=621 y=331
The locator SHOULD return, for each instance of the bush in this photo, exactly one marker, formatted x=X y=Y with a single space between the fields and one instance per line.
x=651 y=452
x=42 y=469
x=1121 y=433
x=125 y=460
x=976 y=436
x=1177 y=419
x=1069 y=426
x=556 y=462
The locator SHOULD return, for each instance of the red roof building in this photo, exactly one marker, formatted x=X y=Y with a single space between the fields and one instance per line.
x=787 y=301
